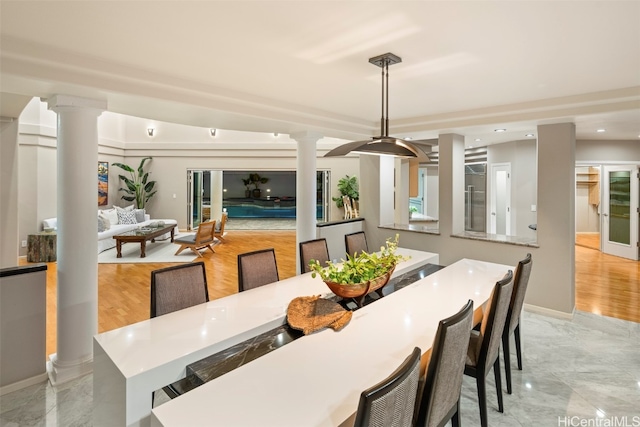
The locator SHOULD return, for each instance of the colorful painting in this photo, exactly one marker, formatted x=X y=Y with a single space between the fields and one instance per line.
x=103 y=183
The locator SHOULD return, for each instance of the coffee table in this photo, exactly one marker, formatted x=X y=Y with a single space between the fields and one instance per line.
x=142 y=235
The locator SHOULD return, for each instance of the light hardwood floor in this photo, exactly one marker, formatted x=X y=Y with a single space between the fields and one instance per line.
x=605 y=284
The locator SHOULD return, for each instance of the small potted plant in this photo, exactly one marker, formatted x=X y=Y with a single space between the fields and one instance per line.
x=359 y=274
x=256 y=180
x=247 y=183
x=412 y=210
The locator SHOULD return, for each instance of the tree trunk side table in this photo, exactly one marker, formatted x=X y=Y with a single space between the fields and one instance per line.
x=41 y=247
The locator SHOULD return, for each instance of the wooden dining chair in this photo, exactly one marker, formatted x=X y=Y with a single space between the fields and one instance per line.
x=512 y=325
x=313 y=249
x=439 y=401
x=256 y=269
x=392 y=401
x=484 y=345
x=202 y=239
x=355 y=243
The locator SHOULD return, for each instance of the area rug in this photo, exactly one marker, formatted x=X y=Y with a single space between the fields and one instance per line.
x=159 y=251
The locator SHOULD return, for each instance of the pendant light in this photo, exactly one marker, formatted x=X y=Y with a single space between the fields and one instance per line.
x=383 y=144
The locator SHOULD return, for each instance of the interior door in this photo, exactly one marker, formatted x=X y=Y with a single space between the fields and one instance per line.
x=620 y=211
x=500 y=218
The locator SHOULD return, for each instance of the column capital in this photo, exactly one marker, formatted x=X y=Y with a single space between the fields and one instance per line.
x=59 y=103
x=306 y=136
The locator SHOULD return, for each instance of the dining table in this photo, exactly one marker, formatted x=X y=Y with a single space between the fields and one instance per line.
x=317 y=380
x=132 y=362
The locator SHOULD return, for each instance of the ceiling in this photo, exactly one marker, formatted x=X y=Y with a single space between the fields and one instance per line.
x=468 y=67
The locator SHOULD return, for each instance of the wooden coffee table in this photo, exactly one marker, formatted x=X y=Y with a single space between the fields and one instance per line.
x=141 y=236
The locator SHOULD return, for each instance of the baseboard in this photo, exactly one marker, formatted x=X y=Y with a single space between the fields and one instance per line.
x=549 y=312
x=10 y=388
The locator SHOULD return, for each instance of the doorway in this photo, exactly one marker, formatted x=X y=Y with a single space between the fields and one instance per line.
x=500 y=218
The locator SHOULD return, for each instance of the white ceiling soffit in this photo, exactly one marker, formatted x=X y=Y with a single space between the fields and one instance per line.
x=467 y=67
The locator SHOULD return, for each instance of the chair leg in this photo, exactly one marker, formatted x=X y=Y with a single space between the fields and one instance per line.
x=482 y=400
x=211 y=248
x=182 y=248
x=507 y=358
x=455 y=420
x=496 y=372
x=516 y=334
x=195 y=251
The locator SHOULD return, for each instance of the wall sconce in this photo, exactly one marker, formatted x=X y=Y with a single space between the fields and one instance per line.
x=275 y=134
x=213 y=132
x=151 y=131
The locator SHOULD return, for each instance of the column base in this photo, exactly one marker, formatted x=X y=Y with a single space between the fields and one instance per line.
x=60 y=374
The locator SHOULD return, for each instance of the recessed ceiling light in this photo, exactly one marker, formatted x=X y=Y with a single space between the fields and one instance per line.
x=408 y=138
x=499 y=130
x=601 y=130
x=529 y=135
x=478 y=140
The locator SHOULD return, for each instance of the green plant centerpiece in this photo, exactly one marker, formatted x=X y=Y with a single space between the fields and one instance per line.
x=359 y=274
x=256 y=180
x=138 y=188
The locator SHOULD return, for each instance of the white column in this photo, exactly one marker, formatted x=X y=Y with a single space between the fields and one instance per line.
x=451 y=177
x=9 y=190
x=306 y=188
x=216 y=194
x=77 y=202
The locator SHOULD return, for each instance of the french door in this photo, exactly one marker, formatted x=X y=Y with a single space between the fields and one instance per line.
x=620 y=195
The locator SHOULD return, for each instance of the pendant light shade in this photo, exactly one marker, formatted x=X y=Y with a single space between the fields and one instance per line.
x=383 y=144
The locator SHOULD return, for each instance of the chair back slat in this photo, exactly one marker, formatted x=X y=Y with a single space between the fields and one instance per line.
x=205 y=232
x=178 y=287
x=391 y=402
x=256 y=269
x=443 y=381
x=493 y=323
x=355 y=243
x=313 y=249
x=520 y=282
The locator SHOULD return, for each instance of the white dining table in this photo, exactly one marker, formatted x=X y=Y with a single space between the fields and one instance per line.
x=133 y=361
x=317 y=380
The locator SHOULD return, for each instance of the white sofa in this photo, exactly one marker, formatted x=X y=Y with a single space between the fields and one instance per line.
x=105 y=238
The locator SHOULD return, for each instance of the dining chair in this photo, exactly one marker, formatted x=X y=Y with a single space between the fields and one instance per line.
x=313 y=249
x=175 y=288
x=512 y=324
x=257 y=268
x=440 y=398
x=484 y=345
x=355 y=243
x=202 y=239
x=392 y=401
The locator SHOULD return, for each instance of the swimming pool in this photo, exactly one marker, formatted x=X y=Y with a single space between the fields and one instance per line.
x=250 y=210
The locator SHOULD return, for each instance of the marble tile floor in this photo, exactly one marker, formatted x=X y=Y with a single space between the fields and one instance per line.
x=583 y=372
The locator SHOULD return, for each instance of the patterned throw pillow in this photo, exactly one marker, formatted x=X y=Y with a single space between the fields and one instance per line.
x=140 y=215
x=126 y=217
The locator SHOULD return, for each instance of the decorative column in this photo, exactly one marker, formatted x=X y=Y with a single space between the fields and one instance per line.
x=306 y=188
x=451 y=191
x=77 y=204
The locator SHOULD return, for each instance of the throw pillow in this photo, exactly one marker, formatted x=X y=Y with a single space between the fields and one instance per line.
x=103 y=224
x=140 y=214
x=126 y=208
x=126 y=217
x=111 y=215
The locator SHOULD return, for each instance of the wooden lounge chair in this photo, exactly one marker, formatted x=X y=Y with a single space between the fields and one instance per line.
x=219 y=234
x=202 y=239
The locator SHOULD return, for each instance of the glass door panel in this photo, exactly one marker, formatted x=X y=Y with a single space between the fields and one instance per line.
x=620 y=213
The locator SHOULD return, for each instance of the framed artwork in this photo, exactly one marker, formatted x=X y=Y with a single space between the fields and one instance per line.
x=103 y=183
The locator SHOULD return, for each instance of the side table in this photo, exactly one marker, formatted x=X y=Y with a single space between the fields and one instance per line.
x=41 y=247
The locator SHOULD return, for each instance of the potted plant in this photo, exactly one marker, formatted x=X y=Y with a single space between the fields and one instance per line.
x=256 y=180
x=359 y=274
x=138 y=187
x=412 y=210
x=347 y=186
x=247 y=183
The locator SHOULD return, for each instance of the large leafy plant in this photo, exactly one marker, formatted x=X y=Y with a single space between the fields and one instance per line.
x=138 y=188
x=347 y=186
x=359 y=268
